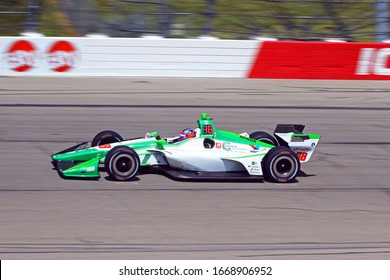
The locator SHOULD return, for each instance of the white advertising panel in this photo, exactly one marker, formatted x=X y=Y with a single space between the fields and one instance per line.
x=142 y=57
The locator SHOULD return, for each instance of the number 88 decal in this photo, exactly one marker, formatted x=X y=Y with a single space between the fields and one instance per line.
x=207 y=129
x=302 y=156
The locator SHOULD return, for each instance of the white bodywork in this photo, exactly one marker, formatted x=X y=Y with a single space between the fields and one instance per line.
x=225 y=156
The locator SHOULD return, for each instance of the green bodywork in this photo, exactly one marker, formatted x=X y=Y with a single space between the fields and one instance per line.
x=86 y=161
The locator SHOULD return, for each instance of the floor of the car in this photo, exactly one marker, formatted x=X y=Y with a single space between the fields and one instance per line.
x=182 y=175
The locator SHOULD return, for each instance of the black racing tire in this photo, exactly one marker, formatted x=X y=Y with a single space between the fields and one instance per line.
x=264 y=137
x=106 y=137
x=122 y=163
x=281 y=165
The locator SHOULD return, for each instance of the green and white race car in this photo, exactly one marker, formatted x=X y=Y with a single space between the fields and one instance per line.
x=205 y=153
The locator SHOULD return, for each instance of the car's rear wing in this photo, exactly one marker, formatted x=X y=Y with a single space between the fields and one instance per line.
x=287 y=128
x=292 y=135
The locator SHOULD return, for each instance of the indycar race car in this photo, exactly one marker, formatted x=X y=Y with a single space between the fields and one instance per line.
x=205 y=153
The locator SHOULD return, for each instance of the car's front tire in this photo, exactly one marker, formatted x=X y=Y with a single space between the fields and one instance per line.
x=122 y=163
x=281 y=165
x=106 y=137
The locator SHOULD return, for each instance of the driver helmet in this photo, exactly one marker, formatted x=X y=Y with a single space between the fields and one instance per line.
x=186 y=133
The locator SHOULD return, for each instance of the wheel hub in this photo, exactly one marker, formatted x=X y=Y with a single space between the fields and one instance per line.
x=123 y=164
x=283 y=166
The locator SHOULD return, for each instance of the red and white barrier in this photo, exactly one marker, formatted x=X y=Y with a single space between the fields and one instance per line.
x=322 y=60
x=158 y=57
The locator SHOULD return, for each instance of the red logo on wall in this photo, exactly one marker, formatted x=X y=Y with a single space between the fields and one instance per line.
x=21 y=56
x=62 y=56
x=374 y=61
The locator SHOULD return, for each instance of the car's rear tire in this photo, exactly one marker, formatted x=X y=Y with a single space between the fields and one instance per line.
x=264 y=137
x=106 y=137
x=122 y=163
x=281 y=165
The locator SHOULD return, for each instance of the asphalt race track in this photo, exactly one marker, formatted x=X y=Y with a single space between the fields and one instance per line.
x=339 y=209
